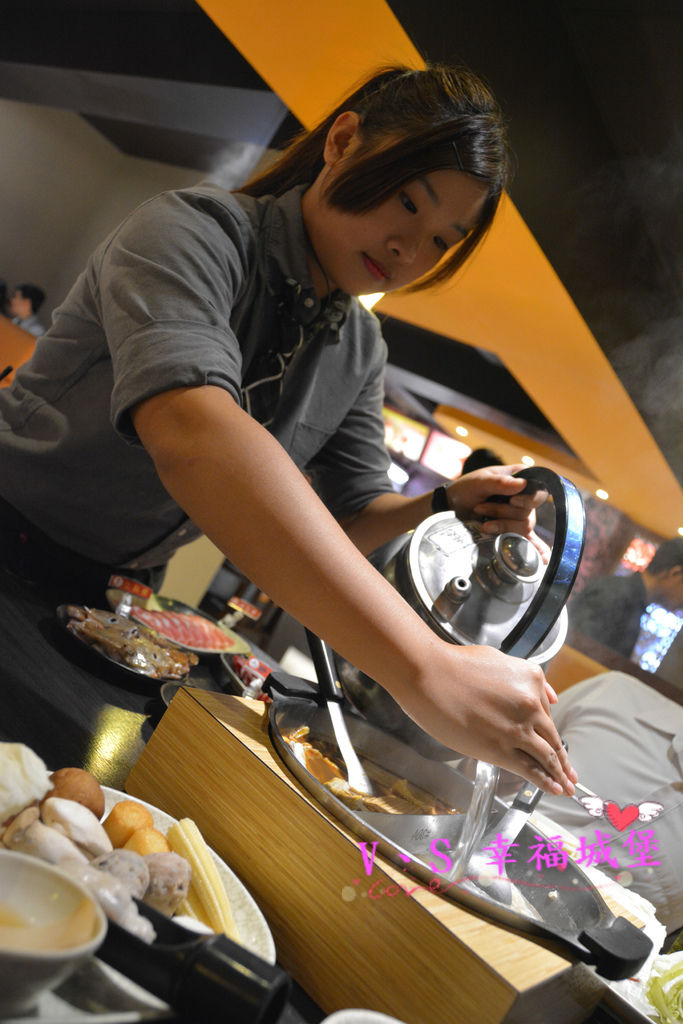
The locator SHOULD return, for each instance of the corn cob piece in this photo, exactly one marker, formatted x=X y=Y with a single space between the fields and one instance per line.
x=189 y=907
x=207 y=899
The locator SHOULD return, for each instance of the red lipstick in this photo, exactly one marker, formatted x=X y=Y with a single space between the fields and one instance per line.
x=377 y=271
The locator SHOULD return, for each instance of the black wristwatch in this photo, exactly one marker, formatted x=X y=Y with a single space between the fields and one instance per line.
x=440 y=500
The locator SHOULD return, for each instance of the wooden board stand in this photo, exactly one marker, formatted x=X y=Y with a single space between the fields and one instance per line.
x=381 y=942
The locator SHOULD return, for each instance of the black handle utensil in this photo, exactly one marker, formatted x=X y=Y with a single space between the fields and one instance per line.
x=209 y=977
x=333 y=695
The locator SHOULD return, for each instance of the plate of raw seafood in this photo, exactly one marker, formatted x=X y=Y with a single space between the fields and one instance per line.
x=125 y=643
x=181 y=624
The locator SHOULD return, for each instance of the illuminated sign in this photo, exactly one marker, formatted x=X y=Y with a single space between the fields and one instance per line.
x=404 y=436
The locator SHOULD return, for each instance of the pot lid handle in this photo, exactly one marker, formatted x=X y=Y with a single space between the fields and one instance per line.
x=560 y=574
x=618 y=949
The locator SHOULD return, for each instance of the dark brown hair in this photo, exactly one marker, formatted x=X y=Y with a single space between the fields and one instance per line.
x=412 y=122
x=668 y=555
x=33 y=293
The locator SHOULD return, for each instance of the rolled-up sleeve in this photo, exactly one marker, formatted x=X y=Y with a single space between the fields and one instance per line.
x=168 y=280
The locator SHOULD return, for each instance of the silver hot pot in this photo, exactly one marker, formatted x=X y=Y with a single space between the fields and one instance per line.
x=471 y=588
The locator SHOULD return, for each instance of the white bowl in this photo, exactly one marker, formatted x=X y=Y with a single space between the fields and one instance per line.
x=40 y=895
x=360 y=1017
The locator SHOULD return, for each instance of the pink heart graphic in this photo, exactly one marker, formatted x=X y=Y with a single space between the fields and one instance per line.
x=621 y=819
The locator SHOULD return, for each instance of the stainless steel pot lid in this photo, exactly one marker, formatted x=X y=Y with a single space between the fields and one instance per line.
x=473 y=588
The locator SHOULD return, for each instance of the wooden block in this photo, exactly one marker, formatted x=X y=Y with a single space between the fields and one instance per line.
x=382 y=942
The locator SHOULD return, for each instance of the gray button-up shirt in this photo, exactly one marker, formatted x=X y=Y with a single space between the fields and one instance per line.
x=186 y=292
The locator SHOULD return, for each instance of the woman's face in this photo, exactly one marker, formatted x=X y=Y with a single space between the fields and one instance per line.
x=399 y=241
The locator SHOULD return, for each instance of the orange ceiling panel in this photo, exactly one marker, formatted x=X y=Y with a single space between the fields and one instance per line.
x=508 y=299
x=309 y=52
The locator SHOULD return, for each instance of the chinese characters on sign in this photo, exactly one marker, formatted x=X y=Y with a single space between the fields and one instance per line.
x=545 y=853
x=549 y=853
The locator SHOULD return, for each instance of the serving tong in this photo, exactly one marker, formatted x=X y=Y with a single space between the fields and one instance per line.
x=587 y=798
x=504 y=831
x=333 y=696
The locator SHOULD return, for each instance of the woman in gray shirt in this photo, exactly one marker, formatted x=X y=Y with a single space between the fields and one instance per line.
x=213 y=349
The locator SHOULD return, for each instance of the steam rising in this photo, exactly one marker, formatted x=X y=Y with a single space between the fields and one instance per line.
x=624 y=251
x=236 y=162
x=650 y=363
x=651 y=366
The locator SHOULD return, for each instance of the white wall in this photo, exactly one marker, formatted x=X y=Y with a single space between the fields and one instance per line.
x=63 y=187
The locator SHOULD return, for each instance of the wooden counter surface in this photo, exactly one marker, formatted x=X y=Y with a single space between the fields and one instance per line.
x=416 y=955
x=16 y=347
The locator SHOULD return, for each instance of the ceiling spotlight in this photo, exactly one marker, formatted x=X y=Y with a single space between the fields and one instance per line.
x=603 y=495
x=527 y=460
x=462 y=431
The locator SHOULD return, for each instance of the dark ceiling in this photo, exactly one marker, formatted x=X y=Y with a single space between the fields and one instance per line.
x=593 y=93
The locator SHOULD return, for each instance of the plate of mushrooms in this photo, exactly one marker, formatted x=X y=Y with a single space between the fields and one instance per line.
x=125 y=851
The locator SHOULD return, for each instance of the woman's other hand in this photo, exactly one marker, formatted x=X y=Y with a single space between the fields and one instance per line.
x=469 y=494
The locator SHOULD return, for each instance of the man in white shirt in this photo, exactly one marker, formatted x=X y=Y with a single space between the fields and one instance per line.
x=626 y=741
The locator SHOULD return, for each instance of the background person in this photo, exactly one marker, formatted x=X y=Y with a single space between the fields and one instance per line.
x=609 y=609
x=626 y=741
x=213 y=350
x=479 y=458
x=23 y=306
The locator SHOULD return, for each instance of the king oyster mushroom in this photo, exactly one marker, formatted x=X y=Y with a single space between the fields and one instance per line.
x=78 y=823
x=28 y=834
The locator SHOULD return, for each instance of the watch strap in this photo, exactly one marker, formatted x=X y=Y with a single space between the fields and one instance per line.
x=440 y=500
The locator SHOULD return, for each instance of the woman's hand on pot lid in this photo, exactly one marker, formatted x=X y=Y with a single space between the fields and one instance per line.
x=469 y=494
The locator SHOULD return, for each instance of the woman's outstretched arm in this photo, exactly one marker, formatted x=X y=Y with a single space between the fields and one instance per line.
x=241 y=488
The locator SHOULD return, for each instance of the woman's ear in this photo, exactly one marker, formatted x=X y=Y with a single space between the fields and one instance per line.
x=342 y=138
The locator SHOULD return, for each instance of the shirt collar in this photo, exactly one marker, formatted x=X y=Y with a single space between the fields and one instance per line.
x=285 y=266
